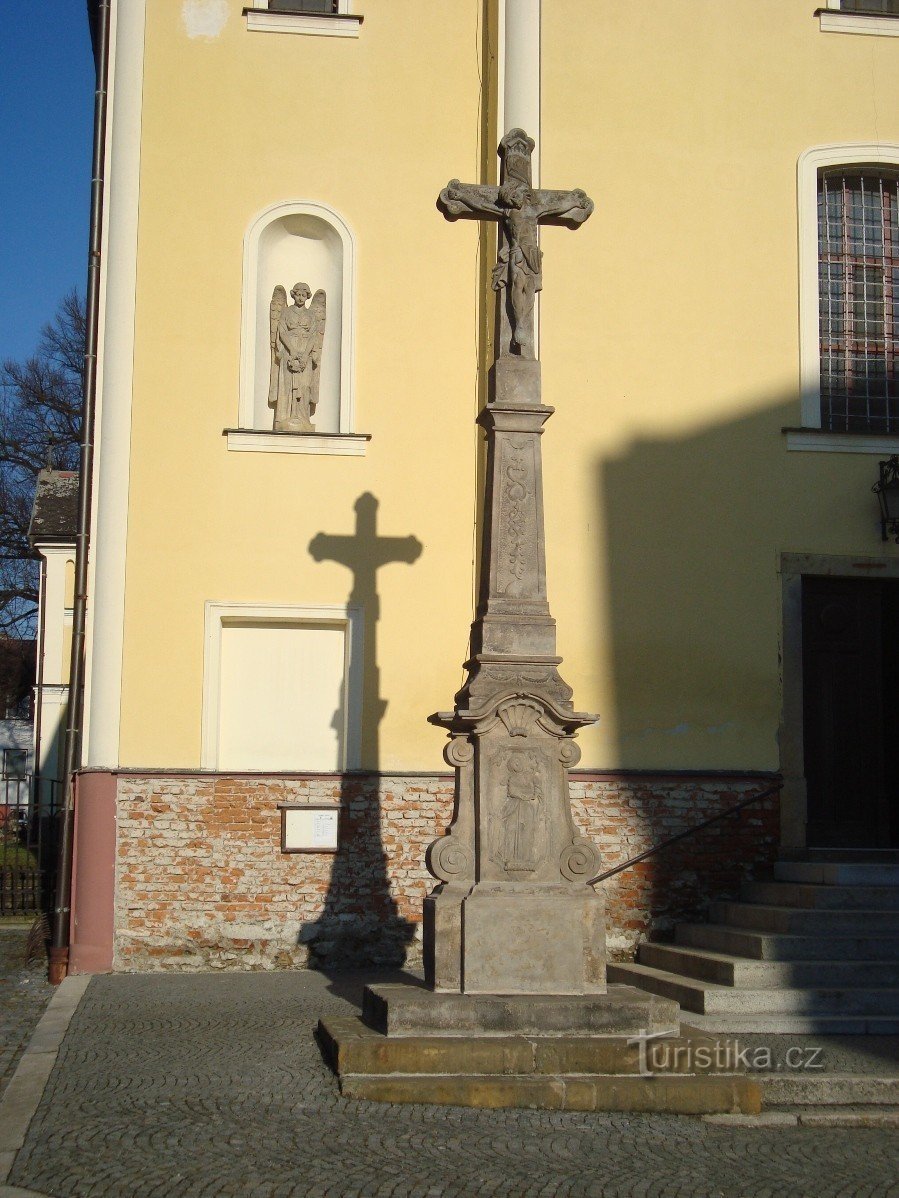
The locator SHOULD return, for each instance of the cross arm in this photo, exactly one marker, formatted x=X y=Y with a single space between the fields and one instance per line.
x=469 y=199
x=567 y=207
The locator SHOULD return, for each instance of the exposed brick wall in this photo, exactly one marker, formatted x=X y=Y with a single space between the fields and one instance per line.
x=201 y=880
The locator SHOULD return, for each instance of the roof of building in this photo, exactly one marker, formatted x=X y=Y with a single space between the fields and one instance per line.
x=54 y=515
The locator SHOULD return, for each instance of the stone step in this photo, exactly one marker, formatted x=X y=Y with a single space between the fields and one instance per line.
x=708 y=998
x=795 y=1025
x=729 y=970
x=836 y=873
x=878 y=1117
x=351 y=1047
x=820 y=897
x=797 y=921
x=400 y=1009
x=827 y=1089
x=674 y=1094
x=761 y=946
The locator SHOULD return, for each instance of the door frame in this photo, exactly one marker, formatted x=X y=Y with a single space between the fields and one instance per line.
x=792 y=567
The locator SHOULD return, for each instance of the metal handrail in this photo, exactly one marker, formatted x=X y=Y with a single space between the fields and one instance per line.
x=762 y=794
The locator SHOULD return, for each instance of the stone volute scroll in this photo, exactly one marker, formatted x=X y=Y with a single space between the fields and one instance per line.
x=297 y=333
x=513 y=912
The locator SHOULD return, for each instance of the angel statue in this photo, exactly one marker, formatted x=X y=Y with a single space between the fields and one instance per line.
x=297 y=333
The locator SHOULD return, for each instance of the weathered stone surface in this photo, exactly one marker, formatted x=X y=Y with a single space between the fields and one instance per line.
x=667 y=1094
x=350 y=1046
x=397 y=1009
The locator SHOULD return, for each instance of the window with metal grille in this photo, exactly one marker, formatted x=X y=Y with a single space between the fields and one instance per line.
x=875 y=6
x=326 y=6
x=858 y=279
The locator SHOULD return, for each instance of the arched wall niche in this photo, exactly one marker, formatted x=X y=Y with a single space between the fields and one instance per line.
x=290 y=242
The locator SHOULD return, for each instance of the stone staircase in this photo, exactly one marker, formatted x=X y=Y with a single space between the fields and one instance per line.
x=816 y=950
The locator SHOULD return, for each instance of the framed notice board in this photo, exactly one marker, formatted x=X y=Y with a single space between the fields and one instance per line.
x=310 y=827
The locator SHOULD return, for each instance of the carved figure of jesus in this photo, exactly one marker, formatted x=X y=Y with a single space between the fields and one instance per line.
x=521 y=209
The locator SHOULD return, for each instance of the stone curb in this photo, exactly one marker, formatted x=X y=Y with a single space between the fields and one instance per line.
x=813 y=1117
x=26 y=1086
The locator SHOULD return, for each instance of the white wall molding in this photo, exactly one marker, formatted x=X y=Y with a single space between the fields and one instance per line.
x=833 y=20
x=821 y=441
x=109 y=517
x=218 y=614
x=346 y=355
x=812 y=161
x=338 y=445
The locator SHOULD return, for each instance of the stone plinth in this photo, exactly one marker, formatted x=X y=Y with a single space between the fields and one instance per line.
x=399 y=1009
x=460 y=1050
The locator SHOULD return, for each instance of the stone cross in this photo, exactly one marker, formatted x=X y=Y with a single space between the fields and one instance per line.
x=521 y=209
x=513 y=912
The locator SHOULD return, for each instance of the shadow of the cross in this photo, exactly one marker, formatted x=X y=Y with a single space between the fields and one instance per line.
x=360 y=924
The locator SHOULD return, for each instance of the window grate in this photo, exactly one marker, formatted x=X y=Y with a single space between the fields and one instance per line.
x=858 y=272
x=890 y=7
x=315 y=6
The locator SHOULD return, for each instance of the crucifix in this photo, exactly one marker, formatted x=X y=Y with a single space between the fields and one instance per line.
x=521 y=209
x=513 y=911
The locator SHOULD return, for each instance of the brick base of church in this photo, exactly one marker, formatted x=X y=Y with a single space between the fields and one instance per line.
x=201 y=881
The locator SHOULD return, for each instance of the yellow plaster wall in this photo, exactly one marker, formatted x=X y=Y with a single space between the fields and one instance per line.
x=232 y=125
x=669 y=332
x=671 y=351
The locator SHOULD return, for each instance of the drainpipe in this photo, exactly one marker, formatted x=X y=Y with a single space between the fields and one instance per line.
x=59 y=944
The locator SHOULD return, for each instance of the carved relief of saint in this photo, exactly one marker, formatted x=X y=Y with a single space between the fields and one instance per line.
x=519 y=829
x=297 y=332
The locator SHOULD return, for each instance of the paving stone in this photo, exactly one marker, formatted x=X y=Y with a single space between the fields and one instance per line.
x=207 y=1085
x=24 y=993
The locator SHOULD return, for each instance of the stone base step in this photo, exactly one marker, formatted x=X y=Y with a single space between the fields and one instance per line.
x=796 y=1025
x=827 y=1089
x=401 y=1009
x=672 y=1094
x=835 y=1116
x=797 y=921
x=351 y=1047
x=708 y=998
x=726 y=969
x=768 y=946
x=820 y=897
x=837 y=873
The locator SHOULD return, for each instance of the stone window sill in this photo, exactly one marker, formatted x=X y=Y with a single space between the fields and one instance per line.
x=819 y=440
x=254 y=440
x=834 y=20
x=316 y=24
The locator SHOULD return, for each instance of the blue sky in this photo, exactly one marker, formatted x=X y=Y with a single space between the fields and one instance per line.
x=46 y=113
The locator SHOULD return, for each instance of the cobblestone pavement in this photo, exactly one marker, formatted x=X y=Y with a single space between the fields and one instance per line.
x=211 y=1084
x=24 y=993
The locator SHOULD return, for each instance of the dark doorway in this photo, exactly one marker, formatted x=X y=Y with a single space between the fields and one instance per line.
x=850 y=666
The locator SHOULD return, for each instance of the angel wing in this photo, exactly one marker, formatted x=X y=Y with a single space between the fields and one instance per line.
x=275 y=308
x=318 y=306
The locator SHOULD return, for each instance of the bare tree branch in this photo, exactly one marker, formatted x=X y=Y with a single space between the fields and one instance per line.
x=40 y=421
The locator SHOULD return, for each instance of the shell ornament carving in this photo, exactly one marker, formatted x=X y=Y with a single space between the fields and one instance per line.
x=449 y=860
x=578 y=860
x=518 y=715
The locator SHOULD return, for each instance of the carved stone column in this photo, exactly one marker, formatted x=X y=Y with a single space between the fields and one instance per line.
x=512 y=913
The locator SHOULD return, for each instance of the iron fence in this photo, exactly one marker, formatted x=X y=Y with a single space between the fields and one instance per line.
x=29 y=843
